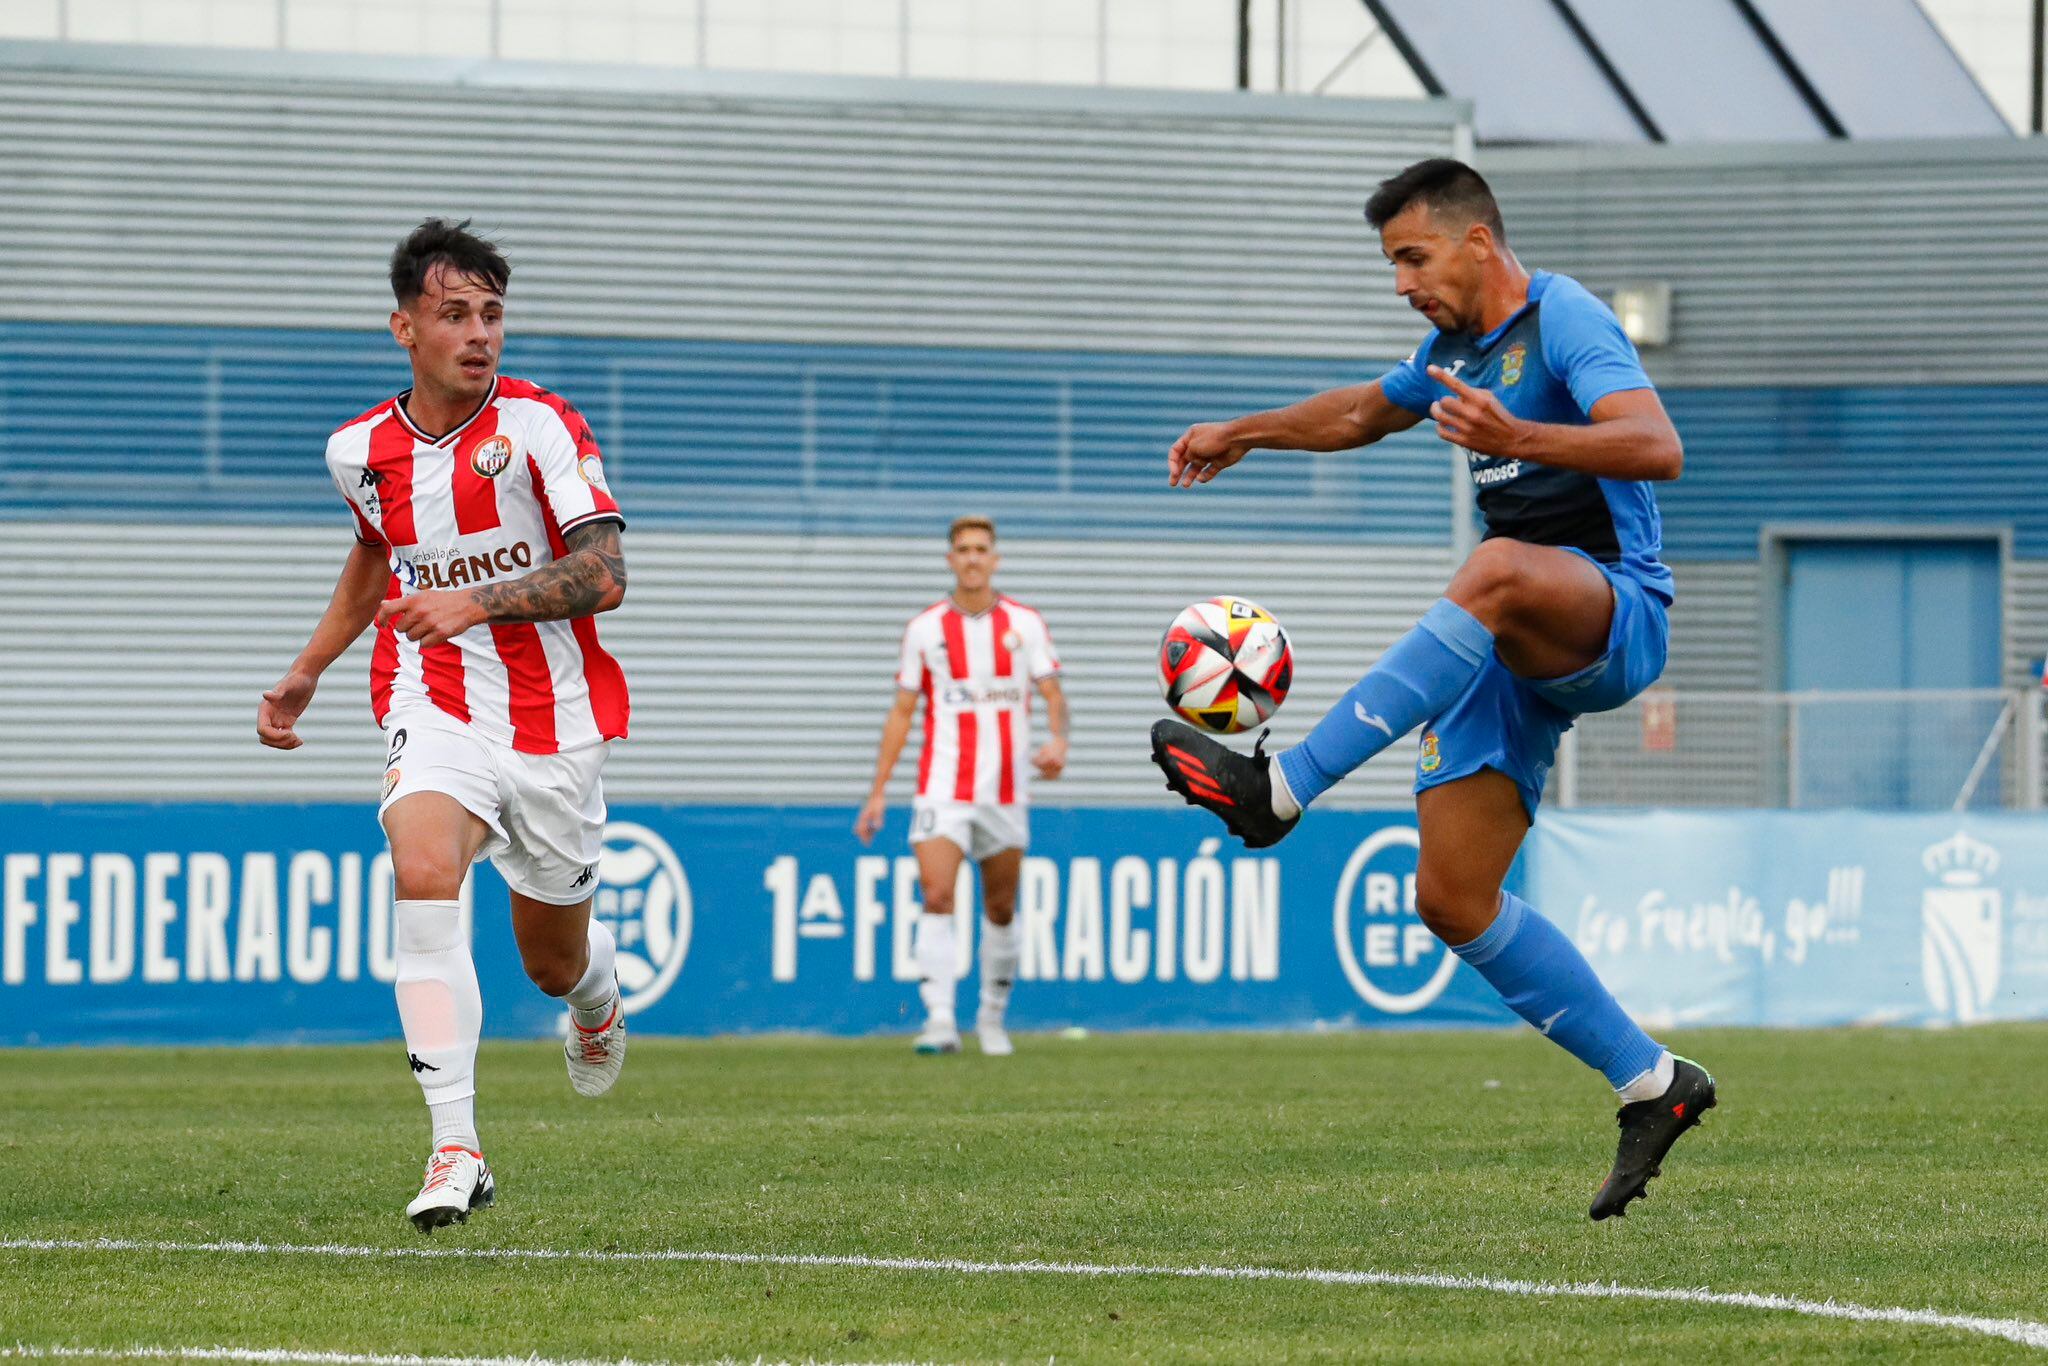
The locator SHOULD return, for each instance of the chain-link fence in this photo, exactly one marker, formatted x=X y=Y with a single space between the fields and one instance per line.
x=1960 y=749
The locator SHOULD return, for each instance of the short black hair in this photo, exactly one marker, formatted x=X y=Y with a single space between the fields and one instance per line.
x=436 y=241
x=1446 y=185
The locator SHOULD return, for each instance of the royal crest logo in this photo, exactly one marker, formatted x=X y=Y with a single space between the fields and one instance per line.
x=1511 y=365
x=1392 y=960
x=1432 y=758
x=644 y=897
x=491 y=456
x=1962 y=927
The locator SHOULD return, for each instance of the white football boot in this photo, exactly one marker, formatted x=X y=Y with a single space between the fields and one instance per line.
x=939 y=1036
x=457 y=1182
x=596 y=1055
x=995 y=1040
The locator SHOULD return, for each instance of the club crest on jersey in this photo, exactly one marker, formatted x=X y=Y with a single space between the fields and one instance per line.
x=490 y=456
x=1511 y=365
x=1012 y=641
x=390 y=781
x=1432 y=759
x=592 y=469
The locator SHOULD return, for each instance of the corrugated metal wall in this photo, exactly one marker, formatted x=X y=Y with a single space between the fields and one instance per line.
x=675 y=212
x=184 y=187
x=1842 y=263
x=710 y=436
x=131 y=658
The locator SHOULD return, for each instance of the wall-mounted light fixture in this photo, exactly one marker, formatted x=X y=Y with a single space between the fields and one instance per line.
x=1645 y=312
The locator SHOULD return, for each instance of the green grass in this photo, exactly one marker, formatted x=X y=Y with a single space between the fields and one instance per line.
x=1884 y=1168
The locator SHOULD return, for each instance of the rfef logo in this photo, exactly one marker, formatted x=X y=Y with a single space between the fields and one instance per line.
x=1390 y=957
x=643 y=896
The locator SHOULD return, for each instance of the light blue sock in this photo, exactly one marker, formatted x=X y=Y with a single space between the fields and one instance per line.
x=1420 y=674
x=1546 y=980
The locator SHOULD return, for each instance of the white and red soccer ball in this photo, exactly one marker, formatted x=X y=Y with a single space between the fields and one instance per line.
x=1225 y=665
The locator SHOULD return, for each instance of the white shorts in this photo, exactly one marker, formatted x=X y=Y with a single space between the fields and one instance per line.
x=980 y=829
x=546 y=811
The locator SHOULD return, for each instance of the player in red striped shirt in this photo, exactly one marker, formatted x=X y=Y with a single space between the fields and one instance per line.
x=486 y=543
x=974 y=660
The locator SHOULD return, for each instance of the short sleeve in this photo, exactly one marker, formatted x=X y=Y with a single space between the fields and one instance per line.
x=1584 y=346
x=571 y=469
x=1408 y=384
x=365 y=533
x=910 y=668
x=1040 y=658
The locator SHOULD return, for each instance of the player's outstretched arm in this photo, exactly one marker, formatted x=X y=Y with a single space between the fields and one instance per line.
x=588 y=579
x=1334 y=420
x=364 y=577
x=895 y=731
x=1051 y=759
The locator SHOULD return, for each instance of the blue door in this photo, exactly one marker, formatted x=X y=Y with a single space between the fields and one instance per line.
x=1865 y=615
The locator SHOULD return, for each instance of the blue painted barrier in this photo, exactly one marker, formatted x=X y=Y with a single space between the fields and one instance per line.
x=1804 y=918
x=215 y=924
x=204 y=924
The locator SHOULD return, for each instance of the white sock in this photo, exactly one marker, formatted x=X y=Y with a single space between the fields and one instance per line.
x=442 y=1013
x=591 y=999
x=1651 y=1082
x=998 y=967
x=1284 y=805
x=937 y=969
x=455 y=1124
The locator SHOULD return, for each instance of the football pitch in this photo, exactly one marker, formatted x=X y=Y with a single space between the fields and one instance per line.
x=1127 y=1198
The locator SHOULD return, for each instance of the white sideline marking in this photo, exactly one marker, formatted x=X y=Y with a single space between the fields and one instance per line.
x=2026 y=1332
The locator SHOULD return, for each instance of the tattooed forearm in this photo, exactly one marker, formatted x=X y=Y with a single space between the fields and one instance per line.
x=590 y=578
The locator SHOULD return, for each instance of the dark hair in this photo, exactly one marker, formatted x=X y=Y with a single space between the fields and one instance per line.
x=1448 y=187
x=437 y=240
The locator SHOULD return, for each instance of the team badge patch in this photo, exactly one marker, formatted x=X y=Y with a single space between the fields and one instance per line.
x=1511 y=365
x=592 y=470
x=1431 y=759
x=490 y=456
x=390 y=781
x=1012 y=641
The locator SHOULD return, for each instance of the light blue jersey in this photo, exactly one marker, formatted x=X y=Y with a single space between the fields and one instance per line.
x=1561 y=353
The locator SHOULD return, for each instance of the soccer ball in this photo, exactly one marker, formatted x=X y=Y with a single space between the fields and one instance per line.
x=1225 y=665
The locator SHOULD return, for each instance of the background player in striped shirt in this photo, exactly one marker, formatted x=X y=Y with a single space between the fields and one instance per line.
x=486 y=541
x=974 y=659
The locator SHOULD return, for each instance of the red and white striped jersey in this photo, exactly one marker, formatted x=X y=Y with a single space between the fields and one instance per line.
x=488 y=502
x=976 y=674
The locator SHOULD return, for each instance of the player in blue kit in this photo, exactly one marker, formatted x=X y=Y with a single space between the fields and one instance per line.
x=1560 y=611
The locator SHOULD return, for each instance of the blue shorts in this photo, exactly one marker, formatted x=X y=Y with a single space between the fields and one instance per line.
x=1513 y=724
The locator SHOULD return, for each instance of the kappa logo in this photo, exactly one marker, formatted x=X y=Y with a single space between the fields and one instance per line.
x=644 y=897
x=491 y=456
x=371 y=479
x=419 y=1066
x=1962 y=926
x=1388 y=955
x=583 y=878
